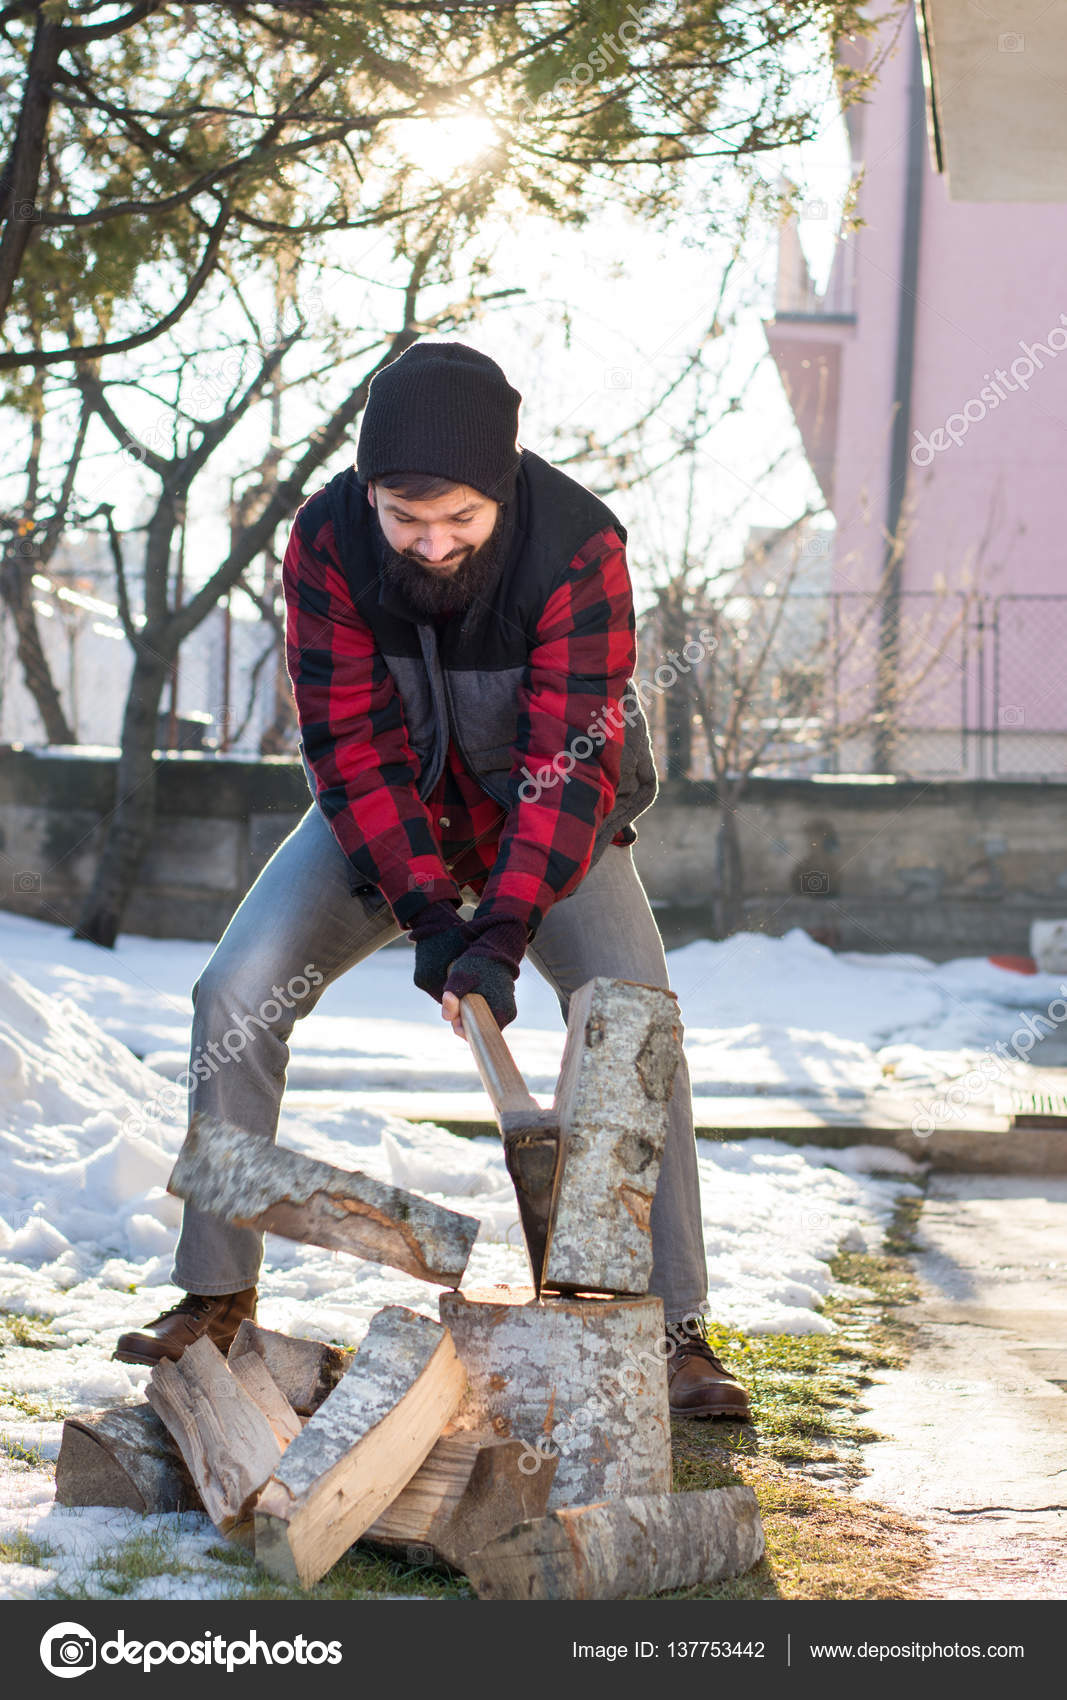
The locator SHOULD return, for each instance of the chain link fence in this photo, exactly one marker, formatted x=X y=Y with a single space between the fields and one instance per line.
x=944 y=685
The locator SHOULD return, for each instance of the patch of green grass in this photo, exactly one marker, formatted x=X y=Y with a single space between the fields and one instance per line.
x=358 y=1575
x=805 y=1395
x=803 y=1389
x=117 y=1574
x=26 y=1333
x=32 y=1410
x=821 y=1545
x=151 y=1553
x=23 y=1454
x=23 y=1549
x=900 y=1235
x=26 y=1330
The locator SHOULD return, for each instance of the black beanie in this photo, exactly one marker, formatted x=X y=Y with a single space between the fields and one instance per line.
x=442 y=409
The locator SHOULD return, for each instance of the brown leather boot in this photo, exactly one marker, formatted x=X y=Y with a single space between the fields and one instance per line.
x=700 y=1385
x=167 y=1337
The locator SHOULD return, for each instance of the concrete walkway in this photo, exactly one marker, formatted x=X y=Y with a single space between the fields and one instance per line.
x=976 y=1424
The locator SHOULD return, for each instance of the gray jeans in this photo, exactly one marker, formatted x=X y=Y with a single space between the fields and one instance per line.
x=300 y=920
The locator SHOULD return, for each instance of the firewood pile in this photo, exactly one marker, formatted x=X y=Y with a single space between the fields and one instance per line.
x=522 y=1439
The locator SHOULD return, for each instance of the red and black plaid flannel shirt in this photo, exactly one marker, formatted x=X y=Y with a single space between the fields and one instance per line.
x=519 y=861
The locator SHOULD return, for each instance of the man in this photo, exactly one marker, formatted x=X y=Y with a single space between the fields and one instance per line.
x=460 y=640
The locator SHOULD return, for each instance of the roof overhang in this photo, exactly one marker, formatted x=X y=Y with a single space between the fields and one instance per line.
x=997 y=84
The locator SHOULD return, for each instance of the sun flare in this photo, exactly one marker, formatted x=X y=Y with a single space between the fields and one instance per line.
x=443 y=146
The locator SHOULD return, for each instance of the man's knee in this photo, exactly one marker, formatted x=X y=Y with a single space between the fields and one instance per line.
x=236 y=1001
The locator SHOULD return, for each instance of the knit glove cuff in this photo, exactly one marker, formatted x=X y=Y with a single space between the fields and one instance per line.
x=501 y=939
x=436 y=917
x=494 y=981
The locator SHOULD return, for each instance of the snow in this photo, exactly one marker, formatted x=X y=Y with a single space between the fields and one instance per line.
x=92 y=1043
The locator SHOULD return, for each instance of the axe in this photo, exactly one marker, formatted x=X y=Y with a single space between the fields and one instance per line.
x=530 y=1134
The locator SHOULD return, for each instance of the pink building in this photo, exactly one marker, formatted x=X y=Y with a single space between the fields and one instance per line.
x=929 y=384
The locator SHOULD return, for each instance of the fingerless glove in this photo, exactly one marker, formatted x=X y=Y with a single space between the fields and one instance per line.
x=439 y=937
x=490 y=965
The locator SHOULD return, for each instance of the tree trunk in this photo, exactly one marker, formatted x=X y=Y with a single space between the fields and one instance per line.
x=21 y=177
x=677 y=699
x=130 y=825
x=728 y=906
x=166 y=629
x=16 y=590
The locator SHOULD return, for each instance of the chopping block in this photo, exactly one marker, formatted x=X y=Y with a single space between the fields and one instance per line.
x=581 y=1379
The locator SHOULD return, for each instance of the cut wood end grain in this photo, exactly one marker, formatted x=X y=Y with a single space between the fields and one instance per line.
x=123 y=1457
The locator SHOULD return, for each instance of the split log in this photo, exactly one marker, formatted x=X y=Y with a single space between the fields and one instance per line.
x=362 y=1446
x=578 y=1379
x=123 y=1457
x=619 y=1062
x=623 y=1549
x=471 y=1488
x=304 y=1370
x=228 y=1444
x=255 y=1378
x=254 y=1184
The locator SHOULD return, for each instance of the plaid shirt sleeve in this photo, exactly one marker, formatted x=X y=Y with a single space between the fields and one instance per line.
x=354 y=735
x=570 y=735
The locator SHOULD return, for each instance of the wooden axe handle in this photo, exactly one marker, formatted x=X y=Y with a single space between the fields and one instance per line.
x=496 y=1065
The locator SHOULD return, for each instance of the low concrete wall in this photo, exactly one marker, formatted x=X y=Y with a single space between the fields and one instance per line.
x=944 y=869
x=218 y=821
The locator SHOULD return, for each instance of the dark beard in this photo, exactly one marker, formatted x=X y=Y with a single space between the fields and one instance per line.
x=432 y=595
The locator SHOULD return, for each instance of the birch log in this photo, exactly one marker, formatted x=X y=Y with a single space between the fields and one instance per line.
x=578 y=1379
x=471 y=1488
x=255 y=1184
x=619 y=1063
x=305 y=1370
x=123 y=1457
x=623 y=1549
x=362 y=1446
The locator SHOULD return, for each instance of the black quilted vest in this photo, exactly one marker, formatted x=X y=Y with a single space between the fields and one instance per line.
x=463 y=682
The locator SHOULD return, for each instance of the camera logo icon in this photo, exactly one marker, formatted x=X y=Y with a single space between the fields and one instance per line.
x=815 y=882
x=68 y=1649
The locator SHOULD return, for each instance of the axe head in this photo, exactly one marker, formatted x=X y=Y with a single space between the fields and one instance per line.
x=532 y=1154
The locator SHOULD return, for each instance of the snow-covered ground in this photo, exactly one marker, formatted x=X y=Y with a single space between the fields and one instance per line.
x=90 y=1040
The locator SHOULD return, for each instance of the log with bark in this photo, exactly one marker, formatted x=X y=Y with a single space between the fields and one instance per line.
x=362 y=1446
x=619 y=1063
x=578 y=1379
x=304 y=1370
x=253 y=1183
x=623 y=1549
x=123 y=1457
